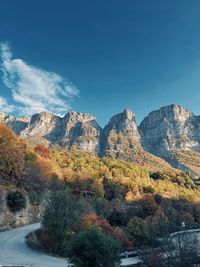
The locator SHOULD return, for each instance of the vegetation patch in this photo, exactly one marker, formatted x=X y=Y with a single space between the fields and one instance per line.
x=16 y=201
x=33 y=240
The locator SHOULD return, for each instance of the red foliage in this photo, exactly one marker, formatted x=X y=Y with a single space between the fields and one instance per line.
x=42 y=150
x=116 y=232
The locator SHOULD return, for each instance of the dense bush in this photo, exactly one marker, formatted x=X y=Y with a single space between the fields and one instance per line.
x=138 y=231
x=93 y=248
x=91 y=220
x=157 y=176
x=42 y=150
x=61 y=216
x=16 y=201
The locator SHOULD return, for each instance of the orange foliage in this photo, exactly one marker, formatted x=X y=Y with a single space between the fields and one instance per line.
x=68 y=174
x=149 y=205
x=93 y=219
x=44 y=166
x=42 y=150
x=12 y=155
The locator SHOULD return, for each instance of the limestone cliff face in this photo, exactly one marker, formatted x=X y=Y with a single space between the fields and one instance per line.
x=75 y=131
x=80 y=132
x=171 y=128
x=120 y=134
x=44 y=125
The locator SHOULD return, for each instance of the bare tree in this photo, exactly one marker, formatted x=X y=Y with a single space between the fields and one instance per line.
x=180 y=251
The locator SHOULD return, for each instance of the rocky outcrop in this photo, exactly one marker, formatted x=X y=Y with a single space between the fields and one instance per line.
x=169 y=129
x=8 y=219
x=120 y=134
x=80 y=132
x=75 y=131
x=46 y=125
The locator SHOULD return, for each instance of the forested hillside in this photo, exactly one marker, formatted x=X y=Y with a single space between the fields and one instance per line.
x=113 y=193
x=129 y=203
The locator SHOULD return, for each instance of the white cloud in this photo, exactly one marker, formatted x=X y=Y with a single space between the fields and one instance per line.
x=5 y=107
x=33 y=89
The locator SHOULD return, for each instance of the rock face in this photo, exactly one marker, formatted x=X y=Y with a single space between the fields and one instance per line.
x=80 y=132
x=170 y=129
x=173 y=133
x=169 y=133
x=43 y=125
x=75 y=131
x=8 y=219
x=120 y=134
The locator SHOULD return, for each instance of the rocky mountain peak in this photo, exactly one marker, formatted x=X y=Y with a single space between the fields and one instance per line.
x=74 y=116
x=128 y=114
x=168 y=129
x=43 y=124
x=17 y=124
x=43 y=117
x=80 y=132
x=172 y=113
x=121 y=133
x=122 y=122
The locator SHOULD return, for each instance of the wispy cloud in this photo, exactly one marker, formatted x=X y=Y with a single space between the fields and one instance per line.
x=5 y=107
x=33 y=89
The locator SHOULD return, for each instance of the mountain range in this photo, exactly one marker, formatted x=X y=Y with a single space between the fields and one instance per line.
x=168 y=137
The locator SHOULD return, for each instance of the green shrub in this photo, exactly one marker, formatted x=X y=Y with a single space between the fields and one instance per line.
x=137 y=229
x=148 y=189
x=62 y=214
x=35 y=198
x=93 y=248
x=156 y=176
x=16 y=201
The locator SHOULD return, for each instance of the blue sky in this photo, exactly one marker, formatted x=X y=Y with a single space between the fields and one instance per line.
x=99 y=56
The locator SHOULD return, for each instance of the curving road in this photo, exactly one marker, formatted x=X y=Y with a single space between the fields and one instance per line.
x=14 y=250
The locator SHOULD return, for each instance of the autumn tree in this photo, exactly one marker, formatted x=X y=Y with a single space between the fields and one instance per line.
x=149 y=205
x=92 y=219
x=12 y=155
x=38 y=172
x=42 y=150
